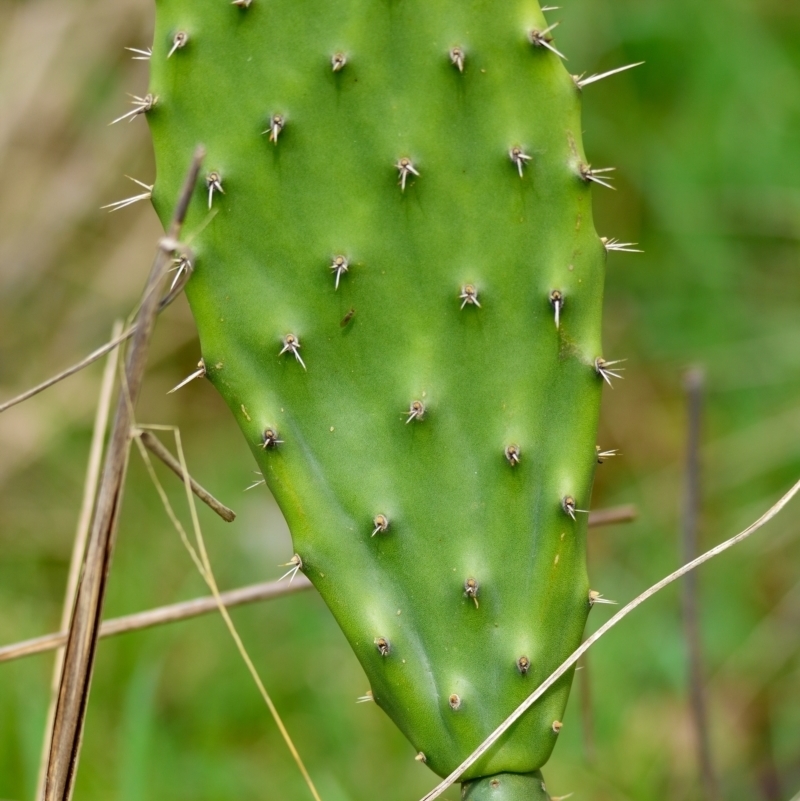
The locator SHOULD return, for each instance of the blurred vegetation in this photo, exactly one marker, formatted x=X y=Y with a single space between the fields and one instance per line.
x=705 y=137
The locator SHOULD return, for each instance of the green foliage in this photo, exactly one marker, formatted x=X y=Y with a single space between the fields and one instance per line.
x=428 y=451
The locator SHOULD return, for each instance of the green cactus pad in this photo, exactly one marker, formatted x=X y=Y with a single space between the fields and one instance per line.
x=507 y=787
x=400 y=205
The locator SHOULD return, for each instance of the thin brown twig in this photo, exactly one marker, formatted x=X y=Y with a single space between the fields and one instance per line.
x=693 y=384
x=161 y=615
x=151 y=471
x=81 y=643
x=212 y=585
x=81 y=534
x=112 y=344
x=606 y=627
x=613 y=515
x=155 y=446
x=199 y=556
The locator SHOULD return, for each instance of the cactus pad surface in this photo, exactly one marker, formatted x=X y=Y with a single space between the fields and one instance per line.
x=398 y=291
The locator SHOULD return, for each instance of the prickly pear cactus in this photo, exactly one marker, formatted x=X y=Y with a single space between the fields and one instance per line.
x=398 y=290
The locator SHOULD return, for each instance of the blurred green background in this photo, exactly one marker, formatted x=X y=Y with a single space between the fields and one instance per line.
x=706 y=137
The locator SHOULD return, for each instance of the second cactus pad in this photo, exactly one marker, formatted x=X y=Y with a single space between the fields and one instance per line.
x=398 y=290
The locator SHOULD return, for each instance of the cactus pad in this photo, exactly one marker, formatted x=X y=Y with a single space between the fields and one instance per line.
x=398 y=291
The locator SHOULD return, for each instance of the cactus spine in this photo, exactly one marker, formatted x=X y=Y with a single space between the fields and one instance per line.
x=398 y=291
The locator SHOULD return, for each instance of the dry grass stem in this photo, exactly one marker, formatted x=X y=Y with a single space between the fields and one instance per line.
x=199 y=556
x=605 y=628
x=163 y=614
x=154 y=445
x=73 y=695
x=81 y=535
x=112 y=344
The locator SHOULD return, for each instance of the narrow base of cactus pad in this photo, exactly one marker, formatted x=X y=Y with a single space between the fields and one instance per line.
x=506 y=787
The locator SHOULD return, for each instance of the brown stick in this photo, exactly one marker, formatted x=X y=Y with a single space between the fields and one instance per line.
x=81 y=643
x=163 y=614
x=81 y=535
x=155 y=446
x=693 y=384
x=616 y=514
